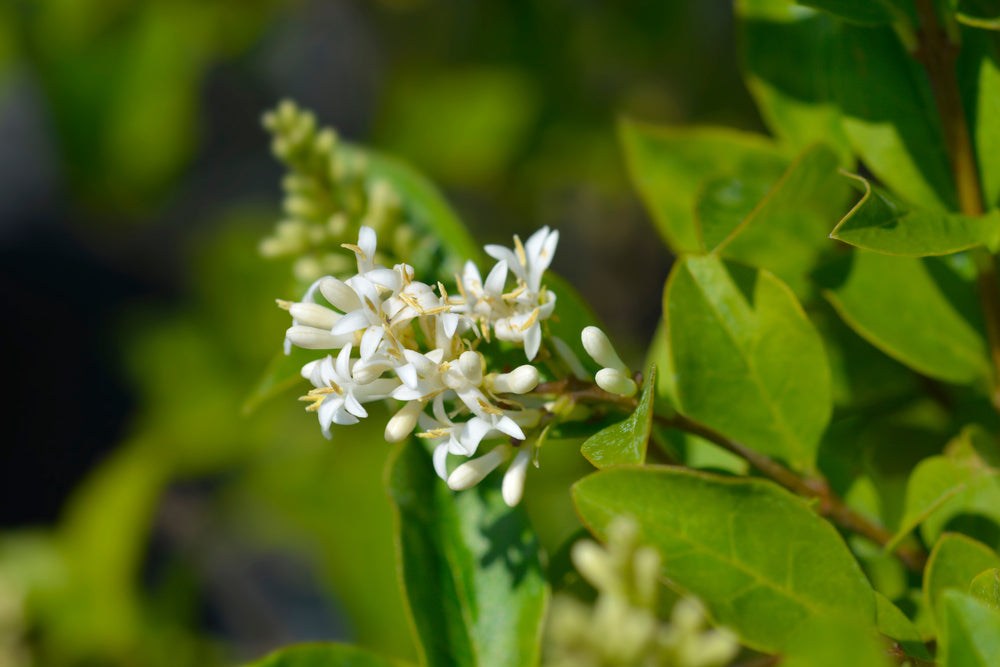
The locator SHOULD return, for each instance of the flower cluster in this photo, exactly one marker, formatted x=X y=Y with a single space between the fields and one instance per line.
x=394 y=337
x=622 y=627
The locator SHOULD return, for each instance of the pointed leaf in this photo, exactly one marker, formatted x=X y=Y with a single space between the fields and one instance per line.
x=970 y=633
x=954 y=562
x=746 y=360
x=893 y=623
x=668 y=166
x=884 y=223
x=917 y=311
x=324 y=655
x=759 y=558
x=626 y=441
x=469 y=565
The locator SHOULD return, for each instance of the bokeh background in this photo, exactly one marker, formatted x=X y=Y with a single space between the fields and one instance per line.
x=144 y=520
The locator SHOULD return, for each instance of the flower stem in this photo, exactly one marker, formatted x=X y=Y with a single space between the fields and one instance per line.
x=938 y=53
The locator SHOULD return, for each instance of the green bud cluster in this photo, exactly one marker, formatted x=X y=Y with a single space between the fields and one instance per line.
x=621 y=628
x=329 y=194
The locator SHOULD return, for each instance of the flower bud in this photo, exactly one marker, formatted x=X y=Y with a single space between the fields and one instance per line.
x=521 y=380
x=312 y=338
x=313 y=315
x=470 y=364
x=614 y=382
x=513 y=480
x=472 y=472
x=601 y=350
x=401 y=424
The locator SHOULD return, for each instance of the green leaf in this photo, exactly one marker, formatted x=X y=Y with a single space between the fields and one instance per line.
x=886 y=224
x=281 y=374
x=932 y=483
x=893 y=623
x=324 y=655
x=626 y=441
x=970 y=633
x=954 y=562
x=746 y=360
x=983 y=14
x=917 y=311
x=824 y=642
x=986 y=588
x=890 y=116
x=759 y=558
x=668 y=167
x=796 y=103
x=469 y=565
x=979 y=74
x=786 y=232
x=866 y=12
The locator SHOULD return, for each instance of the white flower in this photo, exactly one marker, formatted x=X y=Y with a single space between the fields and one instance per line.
x=528 y=261
x=337 y=398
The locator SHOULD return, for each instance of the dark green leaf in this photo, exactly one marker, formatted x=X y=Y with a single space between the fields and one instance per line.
x=970 y=633
x=884 y=223
x=469 y=565
x=324 y=655
x=986 y=588
x=746 y=360
x=979 y=75
x=917 y=311
x=954 y=562
x=669 y=166
x=759 y=558
x=795 y=102
x=890 y=116
x=869 y=12
x=893 y=623
x=626 y=441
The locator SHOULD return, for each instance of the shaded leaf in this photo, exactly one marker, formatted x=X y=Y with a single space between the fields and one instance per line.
x=893 y=623
x=869 y=12
x=668 y=166
x=759 y=558
x=469 y=565
x=746 y=360
x=626 y=441
x=886 y=224
x=918 y=311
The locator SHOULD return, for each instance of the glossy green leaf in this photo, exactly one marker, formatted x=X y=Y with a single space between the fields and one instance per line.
x=624 y=442
x=669 y=166
x=324 y=655
x=890 y=116
x=469 y=565
x=970 y=633
x=979 y=71
x=986 y=588
x=954 y=562
x=796 y=102
x=760 y=559
x=884 y=223
x=893 y=623
x=746 y=360
x=917 y=311
x=786 y=232
x=824 y=642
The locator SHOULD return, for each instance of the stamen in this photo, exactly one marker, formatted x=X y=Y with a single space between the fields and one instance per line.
x=355 y=249
x=530 y=322
x=519 y=249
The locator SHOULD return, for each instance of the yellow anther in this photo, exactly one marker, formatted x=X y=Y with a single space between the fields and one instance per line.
x=434 y=433
x=355 y=249
x=519 y=249
x=530 y=322
x=489 y=409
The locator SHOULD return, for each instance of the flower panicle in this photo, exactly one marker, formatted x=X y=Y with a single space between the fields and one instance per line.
x=391 y=336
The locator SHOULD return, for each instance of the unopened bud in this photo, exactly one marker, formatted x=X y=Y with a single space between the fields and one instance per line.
x=521 y=380
x=313 y=315
x=513 y=480
x=311 y=338
x=472 y=472
x=402 y=423
x=470 y=364
x=613 y=381
x=599 y=347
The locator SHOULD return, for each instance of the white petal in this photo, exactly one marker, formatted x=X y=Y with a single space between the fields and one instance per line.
x=496 y=279
x=354 y=407
x=343 y=366
x=472 y=433
x=313 y=315
x=340 y=294
x=369 y=342
x=441 y=461
x=311 y=338
x=386 y=278
x=504 y=254
x=402 y=423
x=351 y=322
x=510 y=427
x=472 y=472
x=408 y=375
x=368 y=242
x=532 y=340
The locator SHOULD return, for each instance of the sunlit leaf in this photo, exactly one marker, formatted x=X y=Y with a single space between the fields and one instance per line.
x=760 y=559
x=986 y=588
x=746 y=360
x=893 y=623
x=324 y=655
x=825 y=642
x=970 y=632
x=954 y=562
x=626 y=441
x=469 y=565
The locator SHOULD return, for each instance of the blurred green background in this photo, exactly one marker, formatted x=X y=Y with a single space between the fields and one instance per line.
x=143 y=519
